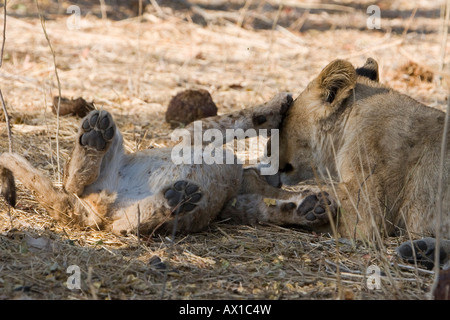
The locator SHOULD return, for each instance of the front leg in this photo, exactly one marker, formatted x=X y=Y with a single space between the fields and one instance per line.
x=268 y=116
x=310 y=209
x=254 y=183
x=95 y=137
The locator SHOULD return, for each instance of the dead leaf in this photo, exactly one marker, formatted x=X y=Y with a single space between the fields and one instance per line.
x=270 y=202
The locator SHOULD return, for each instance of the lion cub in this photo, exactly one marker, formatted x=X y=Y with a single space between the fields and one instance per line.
x=382 y=147
x=106 y=188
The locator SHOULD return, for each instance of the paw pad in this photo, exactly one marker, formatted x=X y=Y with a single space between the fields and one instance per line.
x=424 y=250
x=314 y=209
x=183 y=196
x=98 y=129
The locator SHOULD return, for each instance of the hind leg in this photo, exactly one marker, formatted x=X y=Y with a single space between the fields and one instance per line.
x=59 y=204
x=98 y=139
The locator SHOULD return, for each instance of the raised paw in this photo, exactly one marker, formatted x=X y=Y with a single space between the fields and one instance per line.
x=98 y=130
x=312 y=211
x=424 y=250
x=183 y=196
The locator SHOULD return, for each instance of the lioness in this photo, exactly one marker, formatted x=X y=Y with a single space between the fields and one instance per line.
x=382 y=147
x=106 y=188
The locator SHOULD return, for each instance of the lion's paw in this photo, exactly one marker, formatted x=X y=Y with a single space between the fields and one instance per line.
x=98 y=130
x=424 y=251
x=183 y=196
x=312 y=211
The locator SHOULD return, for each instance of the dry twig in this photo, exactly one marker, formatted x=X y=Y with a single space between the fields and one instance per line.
x=5 y=111
x=41 y=17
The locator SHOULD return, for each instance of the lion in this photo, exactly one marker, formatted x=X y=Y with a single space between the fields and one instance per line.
x=381 y=147
x=106 y=188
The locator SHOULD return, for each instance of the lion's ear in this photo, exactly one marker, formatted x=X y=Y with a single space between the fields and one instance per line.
x=336 y=81
x=369 y=70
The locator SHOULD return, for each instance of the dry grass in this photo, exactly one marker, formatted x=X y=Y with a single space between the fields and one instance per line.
x=133 y=70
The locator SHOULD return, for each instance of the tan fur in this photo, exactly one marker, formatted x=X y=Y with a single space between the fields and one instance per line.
x=381 y=146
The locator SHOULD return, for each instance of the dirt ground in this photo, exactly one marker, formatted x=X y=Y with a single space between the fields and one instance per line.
x=243 y=53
